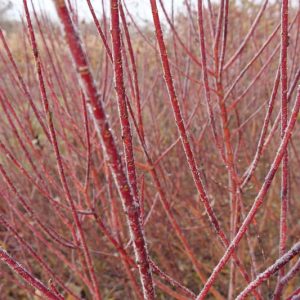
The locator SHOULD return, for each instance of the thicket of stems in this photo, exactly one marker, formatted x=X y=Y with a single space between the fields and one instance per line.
x=154 y=160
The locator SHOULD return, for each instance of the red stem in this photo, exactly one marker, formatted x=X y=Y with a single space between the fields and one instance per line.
x=258 y=200
x=29 y=278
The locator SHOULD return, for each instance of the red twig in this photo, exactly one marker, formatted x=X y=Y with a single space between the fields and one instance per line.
x=29 y=278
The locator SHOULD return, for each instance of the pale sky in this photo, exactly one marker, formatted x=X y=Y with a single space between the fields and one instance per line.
x=139 y=8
